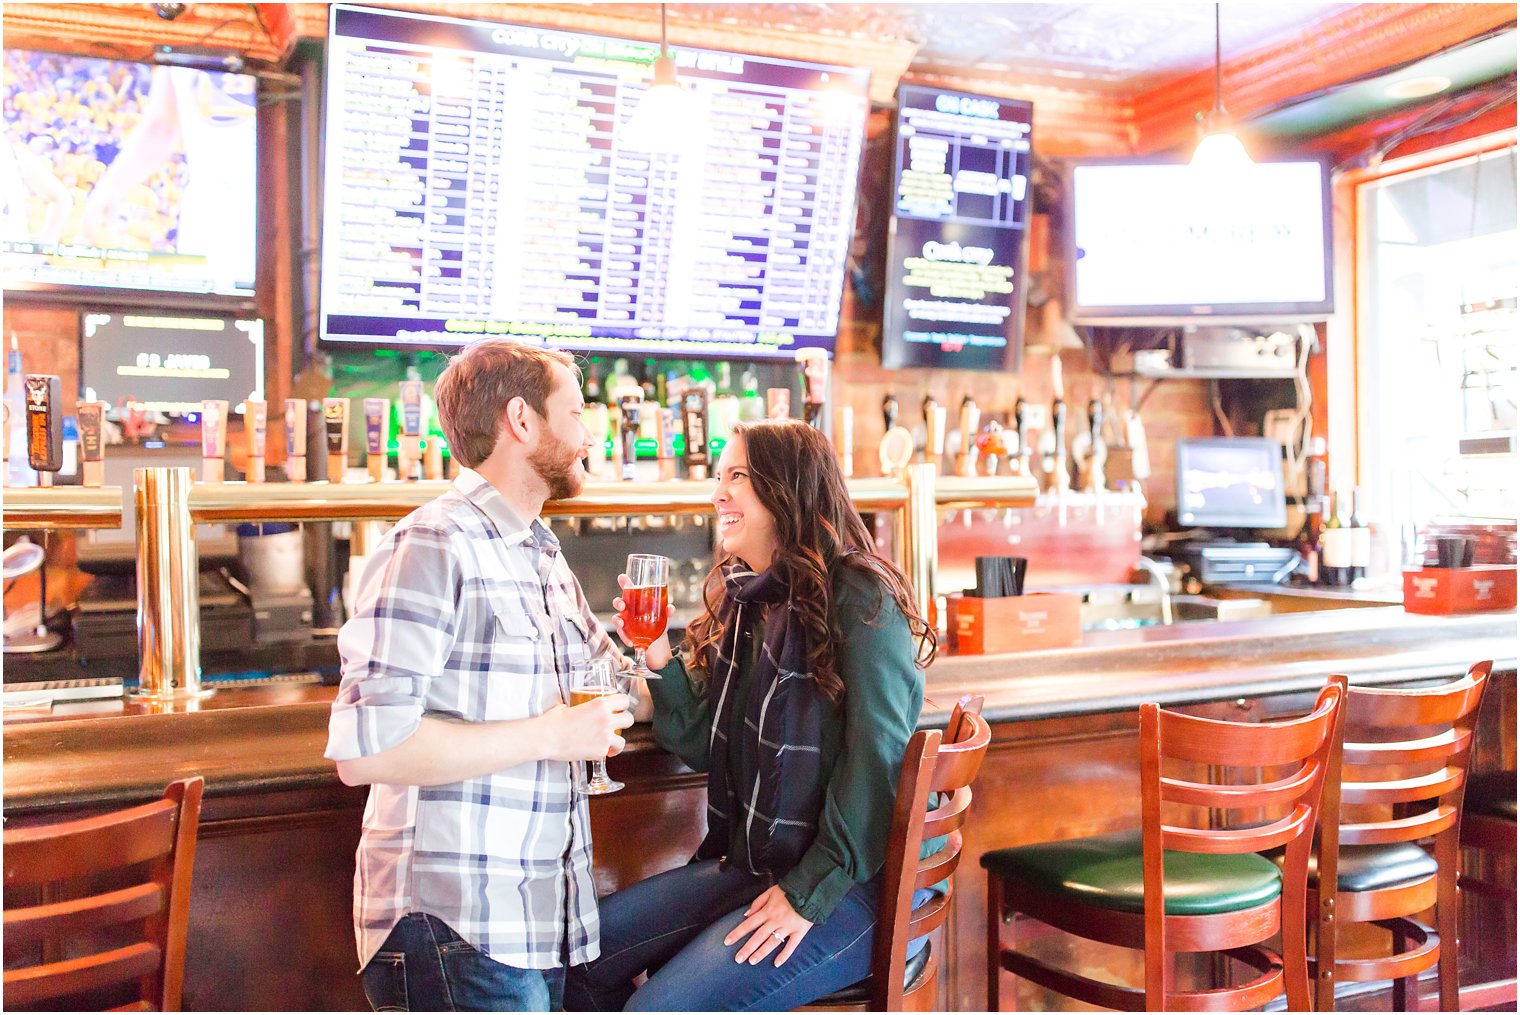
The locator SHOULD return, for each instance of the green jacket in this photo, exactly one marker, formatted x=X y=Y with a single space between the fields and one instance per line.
x=864 y=737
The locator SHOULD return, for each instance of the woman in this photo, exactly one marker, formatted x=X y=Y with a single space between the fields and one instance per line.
x=801 y=685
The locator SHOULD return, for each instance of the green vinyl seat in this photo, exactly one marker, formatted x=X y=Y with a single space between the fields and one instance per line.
x=1372 y=868
x=1107 y=872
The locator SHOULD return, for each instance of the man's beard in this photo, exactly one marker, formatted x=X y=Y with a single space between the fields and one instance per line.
x=557 y=464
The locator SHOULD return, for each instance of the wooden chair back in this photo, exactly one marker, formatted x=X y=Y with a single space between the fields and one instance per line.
x=157 y=841
x=934 y=763
x=1301 y=745
x=1405 y=756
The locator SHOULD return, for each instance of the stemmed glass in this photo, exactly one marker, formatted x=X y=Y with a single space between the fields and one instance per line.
x=587 y=684
x=646 y=606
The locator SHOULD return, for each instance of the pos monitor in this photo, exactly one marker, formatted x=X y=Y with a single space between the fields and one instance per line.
x=1230 y=483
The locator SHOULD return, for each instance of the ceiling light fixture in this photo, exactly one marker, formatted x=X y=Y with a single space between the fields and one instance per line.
x=1220 y=150
x=1417 y=88
x=662 y=122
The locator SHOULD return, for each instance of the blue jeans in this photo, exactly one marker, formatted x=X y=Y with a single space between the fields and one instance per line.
x=425 y=966
x=673 y=925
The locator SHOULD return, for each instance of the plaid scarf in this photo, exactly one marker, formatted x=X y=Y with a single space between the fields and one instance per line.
x=774 y=794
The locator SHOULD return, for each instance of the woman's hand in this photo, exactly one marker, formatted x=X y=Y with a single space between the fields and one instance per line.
x=770 y=921
x=658 y=653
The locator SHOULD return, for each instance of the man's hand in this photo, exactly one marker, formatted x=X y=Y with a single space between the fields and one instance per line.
x=770 y=921
x=589 y=732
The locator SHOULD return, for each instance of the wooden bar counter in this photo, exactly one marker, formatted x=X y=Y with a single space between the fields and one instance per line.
x=270 y=916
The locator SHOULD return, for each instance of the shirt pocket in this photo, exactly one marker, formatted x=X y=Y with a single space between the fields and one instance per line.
x=575 y=636
x=515 y=662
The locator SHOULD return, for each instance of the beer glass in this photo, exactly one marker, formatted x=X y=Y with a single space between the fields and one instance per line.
x=587 y=684
x=646 y=606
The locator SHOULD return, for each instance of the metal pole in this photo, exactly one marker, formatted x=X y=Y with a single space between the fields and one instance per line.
x=920 y=531
x=168 y=587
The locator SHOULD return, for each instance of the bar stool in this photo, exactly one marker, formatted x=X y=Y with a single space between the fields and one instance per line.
x=1185 y=887
x=1488 y=828
x=52 y=860
x=933 y=763
x=1397 y=778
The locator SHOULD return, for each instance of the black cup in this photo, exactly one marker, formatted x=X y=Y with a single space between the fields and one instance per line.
x=1454 y=551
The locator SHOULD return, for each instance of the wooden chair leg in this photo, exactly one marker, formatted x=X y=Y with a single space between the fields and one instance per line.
x=995 y=942
x=1407 y=988
x=1448 y=858
x=1294 y=923
x=1324 y=952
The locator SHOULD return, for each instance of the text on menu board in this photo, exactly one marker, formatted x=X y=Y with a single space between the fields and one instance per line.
x=960 y=211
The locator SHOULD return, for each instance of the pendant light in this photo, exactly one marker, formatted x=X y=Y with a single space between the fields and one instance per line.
x=1220 y=151
x=661 y=124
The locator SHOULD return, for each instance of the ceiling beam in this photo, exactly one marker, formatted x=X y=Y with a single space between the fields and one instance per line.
x=1363 y=40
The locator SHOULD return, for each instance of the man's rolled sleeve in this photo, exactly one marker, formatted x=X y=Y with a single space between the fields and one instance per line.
x=396 y=641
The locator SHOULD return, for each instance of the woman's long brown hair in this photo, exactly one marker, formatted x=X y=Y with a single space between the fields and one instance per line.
x=793 y=472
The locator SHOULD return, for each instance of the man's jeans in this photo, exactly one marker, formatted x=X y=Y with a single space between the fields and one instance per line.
x=425 y=966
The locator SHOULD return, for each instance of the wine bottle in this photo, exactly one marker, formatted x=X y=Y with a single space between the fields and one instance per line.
x=1307 y=542
x=1335 y=557
x=1361 y=537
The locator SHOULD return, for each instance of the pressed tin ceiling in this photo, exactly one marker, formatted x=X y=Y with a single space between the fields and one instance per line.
x=1106 y=78
x=1110 y=48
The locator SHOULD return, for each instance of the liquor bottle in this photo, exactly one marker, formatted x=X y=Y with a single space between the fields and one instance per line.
x=1361 y=537
x=751 y=402
x=593 y=389
x=1307 y=542
x=1335 y=556
x=725 y=378
x=17 y=471
x=632 y=406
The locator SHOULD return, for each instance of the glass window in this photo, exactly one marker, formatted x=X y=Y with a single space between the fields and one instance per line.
x=1439 y=347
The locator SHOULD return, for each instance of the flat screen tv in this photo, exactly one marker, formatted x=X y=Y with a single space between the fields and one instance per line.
x=1162 y=242
x=960 y=215
x=1230 y=483
x=167 y=361
x=479 y=183
x=128 y=177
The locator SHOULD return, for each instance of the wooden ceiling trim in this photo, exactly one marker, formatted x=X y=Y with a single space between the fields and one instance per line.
x=1363 y=40
x=131 y=31
x=886 y=59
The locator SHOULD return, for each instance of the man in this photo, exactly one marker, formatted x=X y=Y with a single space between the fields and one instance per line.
x=473 y=885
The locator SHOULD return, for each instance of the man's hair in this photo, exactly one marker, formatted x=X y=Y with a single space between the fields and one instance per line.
x=473 y=391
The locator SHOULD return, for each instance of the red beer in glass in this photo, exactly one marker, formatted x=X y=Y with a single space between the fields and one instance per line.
x=646 y=605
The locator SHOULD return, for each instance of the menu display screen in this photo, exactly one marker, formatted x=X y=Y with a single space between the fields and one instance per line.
x=480 y=183
x=960 y=214
x=163 y=362
x=126 y=176
x=1165 y=241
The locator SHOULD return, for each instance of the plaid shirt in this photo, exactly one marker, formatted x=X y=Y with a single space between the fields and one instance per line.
x=466 y=613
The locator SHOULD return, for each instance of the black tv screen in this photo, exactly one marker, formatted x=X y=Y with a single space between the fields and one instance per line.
x=1230 y=482
x=160 y=361
x=127 y=176
x=959 y=219
x=479 y=184
x=1159 y=242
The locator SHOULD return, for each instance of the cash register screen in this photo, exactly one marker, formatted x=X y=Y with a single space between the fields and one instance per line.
x=1230 y=482
x=482 y=180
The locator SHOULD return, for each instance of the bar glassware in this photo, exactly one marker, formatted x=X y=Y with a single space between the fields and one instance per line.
x=646 y=606
x=586 y=685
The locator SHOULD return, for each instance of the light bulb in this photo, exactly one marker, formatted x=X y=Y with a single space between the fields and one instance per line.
x=662 y=122
x=1221 y=152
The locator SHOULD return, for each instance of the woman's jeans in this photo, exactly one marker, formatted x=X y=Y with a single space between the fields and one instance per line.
x=425 y=966
x=673 y=925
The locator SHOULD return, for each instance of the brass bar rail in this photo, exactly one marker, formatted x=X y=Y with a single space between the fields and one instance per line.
x=168 y=591
x=954 y=493
x=61 y=507
x=339 y=502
